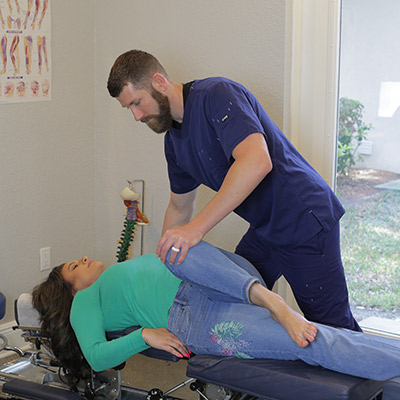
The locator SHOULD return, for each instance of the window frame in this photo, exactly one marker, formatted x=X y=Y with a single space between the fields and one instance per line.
x=312 y=48
x=311 y=81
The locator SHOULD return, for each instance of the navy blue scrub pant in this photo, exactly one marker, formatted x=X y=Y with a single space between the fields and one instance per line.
x=314 y=270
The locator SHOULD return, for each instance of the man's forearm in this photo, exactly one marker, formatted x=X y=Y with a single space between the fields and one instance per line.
x=180 y=209
x=175 y=217
x=237 y=186
x=252 y=164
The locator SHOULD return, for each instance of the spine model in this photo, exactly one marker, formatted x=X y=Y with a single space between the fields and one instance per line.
x=133 y=217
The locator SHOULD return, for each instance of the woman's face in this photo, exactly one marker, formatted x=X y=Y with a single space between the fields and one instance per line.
x=82 y=273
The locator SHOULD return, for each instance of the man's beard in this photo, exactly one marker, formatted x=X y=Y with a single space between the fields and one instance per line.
x=162 y=121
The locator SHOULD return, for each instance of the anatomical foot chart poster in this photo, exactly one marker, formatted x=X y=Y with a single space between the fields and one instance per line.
x=25 y=49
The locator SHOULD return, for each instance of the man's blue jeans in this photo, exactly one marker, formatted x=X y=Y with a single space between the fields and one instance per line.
x=212 y=314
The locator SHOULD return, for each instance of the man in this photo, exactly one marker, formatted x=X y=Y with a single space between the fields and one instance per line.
x=219 y=135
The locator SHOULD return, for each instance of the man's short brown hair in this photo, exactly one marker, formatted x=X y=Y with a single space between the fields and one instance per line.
x=136 y=67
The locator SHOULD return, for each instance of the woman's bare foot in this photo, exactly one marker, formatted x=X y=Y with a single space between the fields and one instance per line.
x=299 y=329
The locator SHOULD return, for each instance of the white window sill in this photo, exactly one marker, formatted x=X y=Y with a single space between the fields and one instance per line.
x=381 y=326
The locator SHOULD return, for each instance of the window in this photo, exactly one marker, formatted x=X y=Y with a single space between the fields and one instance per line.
x=368 y=181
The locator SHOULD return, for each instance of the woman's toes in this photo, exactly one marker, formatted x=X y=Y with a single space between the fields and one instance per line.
x=311 y=338
x=302 y=343
x=312 y=333
x=308 y=336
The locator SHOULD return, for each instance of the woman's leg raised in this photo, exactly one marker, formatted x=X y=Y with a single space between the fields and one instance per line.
x=218 y=276
x=214 y=273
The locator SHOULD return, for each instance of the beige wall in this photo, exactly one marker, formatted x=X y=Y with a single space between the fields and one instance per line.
x=63 y=163
x=47 y=158
x=192 y=39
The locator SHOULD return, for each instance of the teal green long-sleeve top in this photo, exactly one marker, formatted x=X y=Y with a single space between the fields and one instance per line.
x=135 y=292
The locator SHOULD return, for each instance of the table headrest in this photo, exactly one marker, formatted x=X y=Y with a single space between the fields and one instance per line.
x=25 y=314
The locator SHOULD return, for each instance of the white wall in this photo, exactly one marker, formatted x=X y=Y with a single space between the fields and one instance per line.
x=47 y=159
x=192 y=39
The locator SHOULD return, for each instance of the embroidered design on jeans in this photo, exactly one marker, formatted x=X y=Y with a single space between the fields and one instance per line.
x=226 y=335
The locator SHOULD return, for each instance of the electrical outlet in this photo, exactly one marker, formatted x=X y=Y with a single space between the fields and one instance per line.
x=45 y=258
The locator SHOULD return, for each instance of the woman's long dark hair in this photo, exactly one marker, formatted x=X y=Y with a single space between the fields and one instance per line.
x=53 y=299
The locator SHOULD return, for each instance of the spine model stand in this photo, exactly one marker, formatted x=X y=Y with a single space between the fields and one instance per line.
x=133 y=217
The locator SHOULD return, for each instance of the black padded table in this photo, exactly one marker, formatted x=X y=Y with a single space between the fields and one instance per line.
x=391 y=389
x=281 y=380
x=36 y=391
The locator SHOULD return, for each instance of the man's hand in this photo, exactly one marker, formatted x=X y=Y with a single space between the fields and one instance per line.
x=163 y=339
x=179 y=239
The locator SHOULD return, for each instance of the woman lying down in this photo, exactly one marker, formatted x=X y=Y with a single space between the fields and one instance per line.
x=209 y=304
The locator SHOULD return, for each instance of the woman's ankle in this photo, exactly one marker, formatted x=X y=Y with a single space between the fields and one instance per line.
x=263 y=297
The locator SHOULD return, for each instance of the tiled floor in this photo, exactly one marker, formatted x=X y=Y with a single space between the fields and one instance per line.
x=146 y=373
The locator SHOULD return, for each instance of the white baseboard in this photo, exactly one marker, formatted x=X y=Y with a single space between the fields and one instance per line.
x=14 y=339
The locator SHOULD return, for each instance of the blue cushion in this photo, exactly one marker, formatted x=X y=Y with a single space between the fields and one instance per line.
x=283 y=380
x=36 y=391
x=150 y=352
x=2 y=305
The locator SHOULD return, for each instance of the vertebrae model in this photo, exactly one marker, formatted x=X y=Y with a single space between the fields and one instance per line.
x=133 y=217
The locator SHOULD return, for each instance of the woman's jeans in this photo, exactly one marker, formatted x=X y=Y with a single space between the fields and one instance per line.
x=212 y=314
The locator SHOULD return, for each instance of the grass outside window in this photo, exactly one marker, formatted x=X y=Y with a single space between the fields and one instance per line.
x=370 y=242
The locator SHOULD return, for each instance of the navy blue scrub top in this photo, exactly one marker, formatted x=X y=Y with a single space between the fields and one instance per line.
x=290 y=205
